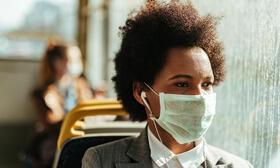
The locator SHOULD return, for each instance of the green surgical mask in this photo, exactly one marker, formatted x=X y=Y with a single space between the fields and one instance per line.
x=185 y=117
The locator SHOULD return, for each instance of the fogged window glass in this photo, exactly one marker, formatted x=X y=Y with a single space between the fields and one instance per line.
x=248 y=102
x=25 y=26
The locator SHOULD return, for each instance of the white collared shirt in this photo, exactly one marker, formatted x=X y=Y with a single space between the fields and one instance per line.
x=162 y=157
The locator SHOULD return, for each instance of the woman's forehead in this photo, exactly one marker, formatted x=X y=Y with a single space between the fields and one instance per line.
x=187 y=61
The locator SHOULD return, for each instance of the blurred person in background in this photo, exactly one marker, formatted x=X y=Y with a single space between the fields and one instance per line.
x=62 y=88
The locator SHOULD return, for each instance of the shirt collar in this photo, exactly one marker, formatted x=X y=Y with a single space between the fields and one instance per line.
x=160 y=154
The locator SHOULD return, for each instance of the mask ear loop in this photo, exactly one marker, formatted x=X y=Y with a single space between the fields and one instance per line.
x=151 y=89
x=143 y=97
x=152 y=116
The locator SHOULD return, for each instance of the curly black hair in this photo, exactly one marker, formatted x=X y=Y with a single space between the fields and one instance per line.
x=149 y=34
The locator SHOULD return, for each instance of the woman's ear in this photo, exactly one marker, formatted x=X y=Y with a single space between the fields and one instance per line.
x=137 y=90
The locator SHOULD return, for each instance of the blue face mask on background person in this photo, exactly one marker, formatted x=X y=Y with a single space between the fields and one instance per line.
x=185 y=117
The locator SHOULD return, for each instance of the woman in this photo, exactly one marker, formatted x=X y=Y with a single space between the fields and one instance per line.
x=61 y=89
x=168 y=63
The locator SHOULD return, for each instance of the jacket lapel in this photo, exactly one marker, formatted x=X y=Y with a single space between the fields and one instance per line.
x=214 y=160
x=139 y=152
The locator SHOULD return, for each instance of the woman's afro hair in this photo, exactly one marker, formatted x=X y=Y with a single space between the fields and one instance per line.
x=147 y=36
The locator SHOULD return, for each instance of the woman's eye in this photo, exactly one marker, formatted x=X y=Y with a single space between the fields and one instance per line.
x=182 y=84
x=207 y=84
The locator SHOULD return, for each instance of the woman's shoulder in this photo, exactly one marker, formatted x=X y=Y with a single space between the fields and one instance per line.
x=225 y=157
x=120 y=145
x=107 y=154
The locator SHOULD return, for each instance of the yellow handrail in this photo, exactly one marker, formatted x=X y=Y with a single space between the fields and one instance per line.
x=91 y=108
x=97 y=102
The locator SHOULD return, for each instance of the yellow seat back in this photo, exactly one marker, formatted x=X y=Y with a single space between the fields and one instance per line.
x=72 y=124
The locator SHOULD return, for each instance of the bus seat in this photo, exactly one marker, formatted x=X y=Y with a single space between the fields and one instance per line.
x=74 y=139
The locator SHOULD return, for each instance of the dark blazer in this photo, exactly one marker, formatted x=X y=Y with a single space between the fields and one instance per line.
x=134 y=152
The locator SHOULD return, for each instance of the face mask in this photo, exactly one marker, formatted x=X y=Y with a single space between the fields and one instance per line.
x=75 y=65
x=75 y=68
x=185 y=117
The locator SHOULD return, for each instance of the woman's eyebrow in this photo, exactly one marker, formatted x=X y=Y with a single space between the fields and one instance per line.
x=209 y=78
x=181 y=76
